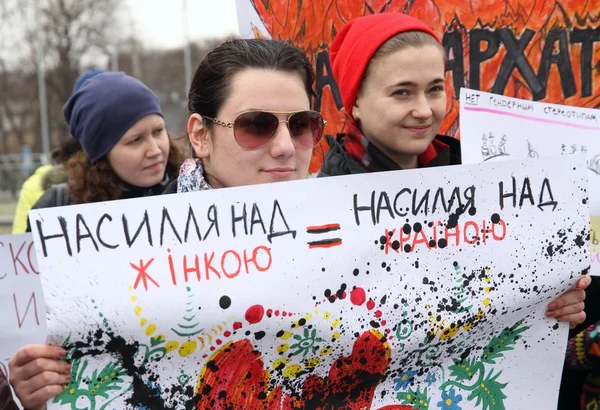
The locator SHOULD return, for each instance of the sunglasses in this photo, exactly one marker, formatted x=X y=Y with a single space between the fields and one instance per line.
x=254 y=129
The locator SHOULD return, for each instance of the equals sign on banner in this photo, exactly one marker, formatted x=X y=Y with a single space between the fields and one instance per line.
x=324 y=230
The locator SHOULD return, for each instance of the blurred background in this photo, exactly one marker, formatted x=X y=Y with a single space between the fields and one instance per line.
x=46 y=44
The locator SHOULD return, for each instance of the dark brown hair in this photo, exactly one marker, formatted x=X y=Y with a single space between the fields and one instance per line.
x=65 y=150
x=98 y=182
x=212 y=81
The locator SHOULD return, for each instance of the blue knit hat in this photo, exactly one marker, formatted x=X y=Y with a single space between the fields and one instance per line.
x=104 y=108
x=84 y=77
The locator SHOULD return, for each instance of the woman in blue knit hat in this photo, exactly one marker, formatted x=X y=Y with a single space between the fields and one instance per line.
x=126 y=153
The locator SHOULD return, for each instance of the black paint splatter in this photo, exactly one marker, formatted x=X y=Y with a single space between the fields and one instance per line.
x=225 y=302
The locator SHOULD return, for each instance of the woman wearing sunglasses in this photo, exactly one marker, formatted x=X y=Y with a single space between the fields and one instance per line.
x=250 y=123
x=250 y=118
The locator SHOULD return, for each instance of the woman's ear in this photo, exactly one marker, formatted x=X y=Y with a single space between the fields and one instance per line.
x=198 y=134
x=355 y=113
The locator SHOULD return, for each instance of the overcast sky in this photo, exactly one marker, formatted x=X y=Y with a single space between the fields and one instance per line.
x=160 y=23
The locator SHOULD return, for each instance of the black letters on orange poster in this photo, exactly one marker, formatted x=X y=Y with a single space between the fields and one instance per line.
x=484 y=44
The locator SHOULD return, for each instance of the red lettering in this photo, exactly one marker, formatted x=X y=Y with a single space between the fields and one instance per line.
x=16 y=259
x=404 y=238
x=239 y=264
x=435 y=233
x=143 y=275
x=172 y=268
x=21 y=320
x=31 y=264
x=456 y=235
x=474 y=238
x=195 y=268
x=388 y=241
x=484 y=231
x=499 y=237
x=255 y=262
x=417 y=240
x=595 y=257
x=208 y=266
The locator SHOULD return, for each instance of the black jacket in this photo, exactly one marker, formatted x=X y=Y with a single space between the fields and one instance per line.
x=58 y=195
x=6 y=399
x=171 y=188
x=337 y=162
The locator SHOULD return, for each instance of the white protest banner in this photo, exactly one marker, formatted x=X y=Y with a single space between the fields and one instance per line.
x=497 y=128
x=22 y=309
x=408 y=289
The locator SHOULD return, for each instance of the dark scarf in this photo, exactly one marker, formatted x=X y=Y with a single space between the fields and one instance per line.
x=372 y=159
x=132 y=191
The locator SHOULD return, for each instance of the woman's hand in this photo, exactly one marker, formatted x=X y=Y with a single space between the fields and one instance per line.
x=568 y=307
x=37 y=374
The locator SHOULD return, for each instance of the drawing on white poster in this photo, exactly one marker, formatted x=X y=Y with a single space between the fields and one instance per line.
x=534 y=130
x=411 y=288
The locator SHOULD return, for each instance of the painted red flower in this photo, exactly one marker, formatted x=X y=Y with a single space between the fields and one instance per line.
x=235 y=378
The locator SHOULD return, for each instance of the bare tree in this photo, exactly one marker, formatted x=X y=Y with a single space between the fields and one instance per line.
x=68 y=36
x=17 y=83
x=74 y=31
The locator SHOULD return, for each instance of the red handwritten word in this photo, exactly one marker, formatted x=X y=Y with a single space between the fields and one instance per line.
x=207 y=266
x=21 y=319
x=230 y=264
x=469 y=233
x=143 y=275
x=28 y=265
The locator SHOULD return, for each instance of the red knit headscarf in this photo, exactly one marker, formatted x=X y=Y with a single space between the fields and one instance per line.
x=351 y=52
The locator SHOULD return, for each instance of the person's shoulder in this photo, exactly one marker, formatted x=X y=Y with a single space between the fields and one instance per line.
x=337 y=162
x=454 y=146
x=54 y=176
x=56 y=195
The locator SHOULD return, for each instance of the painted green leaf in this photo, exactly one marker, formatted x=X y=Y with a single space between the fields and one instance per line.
x=489 y=393
x=464 y=369
x=156 y=340
x=109 y=379
x=504 y=342
x=73 y=389
x=419 y=400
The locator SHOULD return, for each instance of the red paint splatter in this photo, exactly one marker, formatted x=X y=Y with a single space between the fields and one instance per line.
x=269 y=312
x=237 y=325
x=254 y=314
x=227 y=334
x=358 y=296
x=284 y=314
x=370 y=304
x=344 y=295
x=219 y=341
x=378 y=314
x=236 y=380
x=236 y=376
x=277 y=313
x=212 y=348
x=383 y=322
